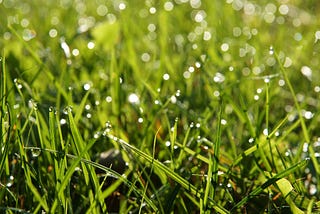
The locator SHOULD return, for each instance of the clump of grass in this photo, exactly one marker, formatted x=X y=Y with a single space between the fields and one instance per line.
x=203 y=102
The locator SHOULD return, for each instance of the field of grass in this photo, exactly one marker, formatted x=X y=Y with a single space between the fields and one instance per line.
x=204 y=106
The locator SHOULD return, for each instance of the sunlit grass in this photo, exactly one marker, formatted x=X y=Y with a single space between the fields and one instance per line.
x=206 y=107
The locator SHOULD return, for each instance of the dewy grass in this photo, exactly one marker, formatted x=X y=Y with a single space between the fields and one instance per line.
x=220 y=122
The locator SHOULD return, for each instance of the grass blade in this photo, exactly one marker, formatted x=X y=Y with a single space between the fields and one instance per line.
x=176 y=177
x=271 y=181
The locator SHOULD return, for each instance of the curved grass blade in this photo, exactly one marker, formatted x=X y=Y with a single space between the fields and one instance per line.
x=271 y=181
x=176 y=177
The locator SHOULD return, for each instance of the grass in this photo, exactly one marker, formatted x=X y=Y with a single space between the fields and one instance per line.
x=212 y=106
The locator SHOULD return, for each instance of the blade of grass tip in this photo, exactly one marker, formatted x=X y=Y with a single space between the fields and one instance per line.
x=180 y=156
x=176 y=177
x=285 y=188
x=173 y=135
x=271 y=181
x=78 y=142
x=302 y=121
x=59 y=167
x=81 y=107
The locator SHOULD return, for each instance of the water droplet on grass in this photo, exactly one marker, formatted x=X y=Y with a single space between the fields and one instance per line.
x=157 y=102
x=308 y=115
x=271 y=50
x=133 y=98
x=87 y=86
x=10 y=181
x=91 y=45
x=251 y=140
x=18 y=83
x=67 y=109
x=173 y=99
x=33 y=104
x=218 y=77
x=168 y=143
x=108 y=99
x=97 y=135
x=166 y=76
x=63 y=121
x=223 y=122
x=35 y=152
x=168 y=6
x=307 y=72
x=140 y=120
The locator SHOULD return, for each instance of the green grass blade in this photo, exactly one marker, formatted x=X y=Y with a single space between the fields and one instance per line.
x=302 y=121
x=78 y=143
x=271 y=181
x=157 y=164
x=28 y=175
x=216 y=154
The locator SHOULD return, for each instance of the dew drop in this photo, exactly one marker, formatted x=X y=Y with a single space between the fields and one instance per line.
x=67 y=109
x=65 y=47
x=35 y=152
x=305 y=147
x=87 y=86
x=133 y=98
x=223 y=122
x=18 y=83
x=97 y=135
x=313 y=189
x=271 y=50
x=173 y=99
x=63 y=121
x=307 y=72
x=140 y=120
x=265 y=132
x=33 y=104
x=108 y=99
x=191 y=125
x=166 y=76
x=90 y=45
x=251 y=140
x=218 y=77
x=308 y=115
x=168 y=143
x=10 y=181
